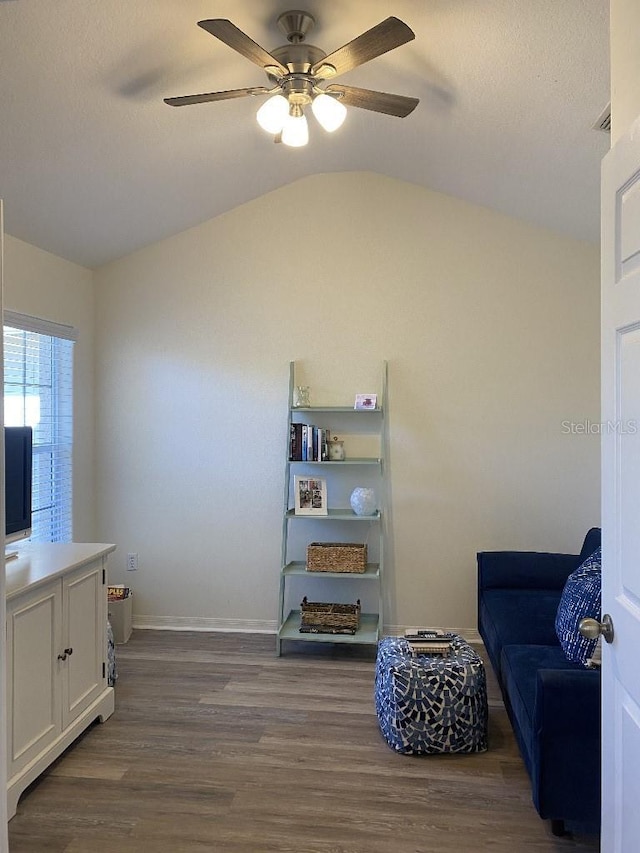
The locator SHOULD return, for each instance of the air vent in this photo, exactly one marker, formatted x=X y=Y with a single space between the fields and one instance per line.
x=603 y=122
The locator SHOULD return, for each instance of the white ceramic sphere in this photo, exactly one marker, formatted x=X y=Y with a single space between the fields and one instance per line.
x=363 y=501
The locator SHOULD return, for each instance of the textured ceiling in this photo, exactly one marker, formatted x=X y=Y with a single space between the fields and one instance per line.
x=94 y=165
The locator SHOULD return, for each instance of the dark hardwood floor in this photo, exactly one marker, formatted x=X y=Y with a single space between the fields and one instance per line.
x=216 y=744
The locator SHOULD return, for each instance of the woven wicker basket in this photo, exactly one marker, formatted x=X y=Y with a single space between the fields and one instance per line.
x=336 y=557
x=317 y=617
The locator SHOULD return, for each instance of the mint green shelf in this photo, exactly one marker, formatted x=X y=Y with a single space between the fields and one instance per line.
x=372 y=572
x=336 y=515
x=366 y=633
x=356 y=460
x=336 y=410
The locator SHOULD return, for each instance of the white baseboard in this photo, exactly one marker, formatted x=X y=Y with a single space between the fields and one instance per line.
x=254 y=626
x=203 y=623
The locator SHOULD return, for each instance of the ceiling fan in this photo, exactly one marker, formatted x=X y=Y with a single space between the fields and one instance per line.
x=297 y=70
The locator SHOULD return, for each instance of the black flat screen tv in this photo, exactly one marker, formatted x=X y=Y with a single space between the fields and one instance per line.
x=18 y=449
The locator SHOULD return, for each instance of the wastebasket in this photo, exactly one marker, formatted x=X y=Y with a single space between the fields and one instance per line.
x=120 y=618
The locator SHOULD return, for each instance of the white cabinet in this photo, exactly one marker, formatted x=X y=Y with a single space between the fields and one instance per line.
x=56 y=654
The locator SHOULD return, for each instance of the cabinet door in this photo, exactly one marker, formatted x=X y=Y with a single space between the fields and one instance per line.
x=34 y=636
x=84 y=604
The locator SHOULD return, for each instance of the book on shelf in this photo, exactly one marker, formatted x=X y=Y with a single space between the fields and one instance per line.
x=442 y=647
x=323 y=448
x=308 y=443
x=295 y=442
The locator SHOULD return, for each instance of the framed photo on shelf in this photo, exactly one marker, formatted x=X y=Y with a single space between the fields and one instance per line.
x=366 y=401
x=310 y=495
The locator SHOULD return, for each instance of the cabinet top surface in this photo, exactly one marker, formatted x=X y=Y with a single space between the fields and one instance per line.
x=40 y=562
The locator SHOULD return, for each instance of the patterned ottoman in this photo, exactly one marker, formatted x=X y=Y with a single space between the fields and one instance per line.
x=431 y=703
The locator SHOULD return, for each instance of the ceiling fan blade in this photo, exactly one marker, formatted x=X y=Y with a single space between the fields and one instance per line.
x=227 y=32
x=215 y=96
x=379 y=102
x=385 y=36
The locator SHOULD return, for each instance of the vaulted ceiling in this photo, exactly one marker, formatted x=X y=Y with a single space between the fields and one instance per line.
x=94 y=165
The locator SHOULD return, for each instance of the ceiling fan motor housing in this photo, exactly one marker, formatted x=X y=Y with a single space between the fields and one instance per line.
x=298 y=85
x=296 y=24
x=298 y=58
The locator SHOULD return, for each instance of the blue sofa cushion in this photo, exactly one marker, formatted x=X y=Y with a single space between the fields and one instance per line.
x=519 y=665
x=580 y=598
x=525 y=569
x=517 y=616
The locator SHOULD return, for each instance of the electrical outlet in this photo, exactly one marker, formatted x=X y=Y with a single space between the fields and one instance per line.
x=132 y=562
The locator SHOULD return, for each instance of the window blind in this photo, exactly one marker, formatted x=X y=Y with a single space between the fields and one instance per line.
x=38 y=392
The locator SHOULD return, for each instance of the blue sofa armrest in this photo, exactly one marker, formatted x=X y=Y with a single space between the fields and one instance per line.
x=566 y=754
x=524 y=569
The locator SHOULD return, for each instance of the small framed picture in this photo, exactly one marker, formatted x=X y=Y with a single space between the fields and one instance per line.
x=310 y=495
x=366 y=401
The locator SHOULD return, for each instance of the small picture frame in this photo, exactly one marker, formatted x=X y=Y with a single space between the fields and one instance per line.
x=310 y=495
x=366 y=402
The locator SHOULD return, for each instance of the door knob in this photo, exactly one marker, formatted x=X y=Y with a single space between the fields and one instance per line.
x=591 y=628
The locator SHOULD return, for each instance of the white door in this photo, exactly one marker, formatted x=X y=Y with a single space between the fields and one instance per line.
x=621 y=495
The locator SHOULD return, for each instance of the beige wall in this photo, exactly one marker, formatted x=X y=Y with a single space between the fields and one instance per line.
x=43 y=285
x=491 y=330
x=625 y=65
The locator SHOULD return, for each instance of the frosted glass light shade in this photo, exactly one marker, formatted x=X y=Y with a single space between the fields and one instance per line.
x=329 y=112
x=273 y=113
x=295 y=131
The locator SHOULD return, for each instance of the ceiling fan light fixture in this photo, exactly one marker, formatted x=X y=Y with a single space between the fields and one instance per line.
x=295 y=132
x=273 y=114
x=297 y=69
x=329 y=112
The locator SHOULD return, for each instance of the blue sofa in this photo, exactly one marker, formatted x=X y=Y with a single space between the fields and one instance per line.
x=553 y=704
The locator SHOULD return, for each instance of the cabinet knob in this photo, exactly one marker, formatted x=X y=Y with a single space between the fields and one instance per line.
x=65 y=654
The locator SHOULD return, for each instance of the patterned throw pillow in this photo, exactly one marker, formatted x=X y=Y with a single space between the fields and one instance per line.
x=580 y=598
